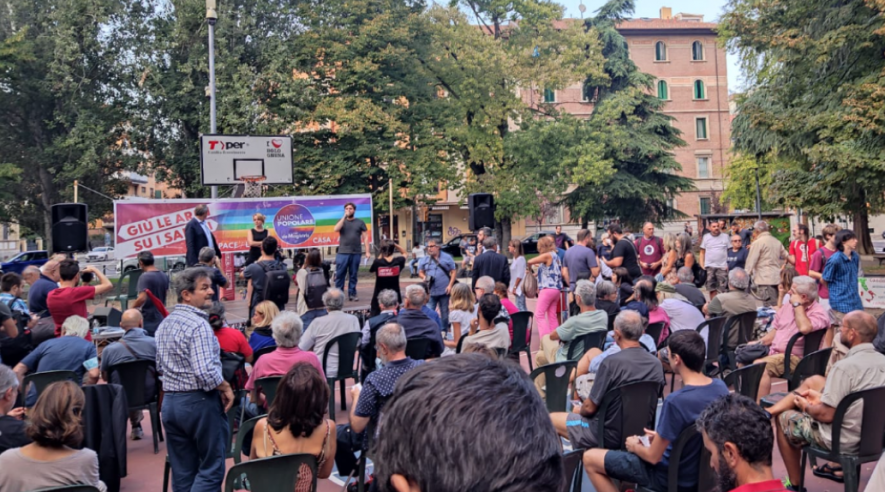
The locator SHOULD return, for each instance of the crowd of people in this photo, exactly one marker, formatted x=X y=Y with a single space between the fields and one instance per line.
x=643 y=296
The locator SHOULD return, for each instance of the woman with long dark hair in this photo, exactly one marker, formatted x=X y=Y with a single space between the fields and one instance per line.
x=295 y=423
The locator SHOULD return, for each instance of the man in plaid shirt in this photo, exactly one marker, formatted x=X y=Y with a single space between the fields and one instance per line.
x=196 y=395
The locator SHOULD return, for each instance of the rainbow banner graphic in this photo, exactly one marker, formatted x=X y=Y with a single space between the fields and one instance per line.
x=296 y=222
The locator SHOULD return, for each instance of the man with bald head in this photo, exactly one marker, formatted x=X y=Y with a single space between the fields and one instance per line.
x=46 y=282
x=135 y=345
x=651 y=250
x=810 y=419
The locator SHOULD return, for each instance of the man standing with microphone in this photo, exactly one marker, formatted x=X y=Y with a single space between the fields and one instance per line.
x=352 y=232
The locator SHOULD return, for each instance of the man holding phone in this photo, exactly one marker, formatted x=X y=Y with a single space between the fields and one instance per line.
x=70 y=298
x=347 y=262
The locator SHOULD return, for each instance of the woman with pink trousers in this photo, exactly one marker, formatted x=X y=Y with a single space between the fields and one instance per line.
x=549 y=285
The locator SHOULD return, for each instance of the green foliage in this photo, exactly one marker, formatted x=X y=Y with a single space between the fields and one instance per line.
x=816 y=102
x=635 y=137
x=740 y=182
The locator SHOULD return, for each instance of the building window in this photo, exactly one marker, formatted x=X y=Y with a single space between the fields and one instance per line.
x=549 y=96
x=589 y=93
x=663 y=93
x=705 y=205
x=158 y=194
x=697 y=51
x=699 y=92
x=703 y=167
x=701 y=128
x=143 y=190
x=660 y=51
x=151 y=193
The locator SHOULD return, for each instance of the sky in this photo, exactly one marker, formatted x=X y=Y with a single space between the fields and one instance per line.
x=711 y=10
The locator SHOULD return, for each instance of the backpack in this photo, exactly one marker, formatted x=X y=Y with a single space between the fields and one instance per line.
x=276 y=284
x=315 y=288
x=13 y=350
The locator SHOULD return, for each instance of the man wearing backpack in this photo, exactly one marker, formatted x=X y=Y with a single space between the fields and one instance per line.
x=268 y=279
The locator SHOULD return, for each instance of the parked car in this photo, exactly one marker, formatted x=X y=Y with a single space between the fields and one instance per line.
x=101 y=253
x=453 y=246
x=530 y=242
x=19 y=262
x=164 y=263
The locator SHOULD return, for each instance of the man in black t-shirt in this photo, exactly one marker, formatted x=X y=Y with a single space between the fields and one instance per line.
x=347 y=260
x=255 y=273
x=157 y=282
x=624 y=252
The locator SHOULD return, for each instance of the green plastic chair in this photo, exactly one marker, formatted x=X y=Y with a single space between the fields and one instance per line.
x=131 y=292
x=132 y=376
x=43 y=379
x=245 y=429
x=268 y=386
x=272 y=474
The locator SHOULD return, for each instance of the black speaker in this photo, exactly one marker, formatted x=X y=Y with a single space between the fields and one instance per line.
x=107 y=316
x=482 y=210
x=70 y=227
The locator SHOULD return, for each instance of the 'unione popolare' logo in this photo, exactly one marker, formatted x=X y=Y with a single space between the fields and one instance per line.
x=294 y=224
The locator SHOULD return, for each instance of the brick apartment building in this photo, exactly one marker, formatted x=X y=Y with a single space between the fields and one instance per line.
x=681 y=52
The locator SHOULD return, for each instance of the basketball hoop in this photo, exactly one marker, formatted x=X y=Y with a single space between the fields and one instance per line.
x=252 y=185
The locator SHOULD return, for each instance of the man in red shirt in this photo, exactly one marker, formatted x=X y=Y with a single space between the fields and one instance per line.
x=70 y=299
x=737 y=432
x=802 y=248
x=651 y=250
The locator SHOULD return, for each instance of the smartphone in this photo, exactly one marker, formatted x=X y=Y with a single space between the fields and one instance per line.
x=644 y=441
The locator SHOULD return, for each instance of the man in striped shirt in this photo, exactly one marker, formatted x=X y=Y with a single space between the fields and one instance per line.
x=196 y=395
x=840 y=275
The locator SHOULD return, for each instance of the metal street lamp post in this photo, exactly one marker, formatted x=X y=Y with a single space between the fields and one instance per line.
x=211 y=18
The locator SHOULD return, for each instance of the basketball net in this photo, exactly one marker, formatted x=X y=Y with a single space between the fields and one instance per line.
x=253 y=186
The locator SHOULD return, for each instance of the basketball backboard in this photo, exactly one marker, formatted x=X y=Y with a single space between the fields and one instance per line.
x=225 y=159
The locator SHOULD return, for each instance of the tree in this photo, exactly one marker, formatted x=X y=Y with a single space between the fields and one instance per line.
x=634 y=135
x=63 y=102
x=740 y=182
x=814 y=107
x=491 y=64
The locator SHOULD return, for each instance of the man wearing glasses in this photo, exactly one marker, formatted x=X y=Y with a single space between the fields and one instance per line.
x=438 y=270
x=737 y=254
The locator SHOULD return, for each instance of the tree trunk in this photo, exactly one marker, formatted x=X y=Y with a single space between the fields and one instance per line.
x=862 y=231
x=584 y=222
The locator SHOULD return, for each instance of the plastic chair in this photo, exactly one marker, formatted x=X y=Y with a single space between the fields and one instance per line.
x=594 y=339
x=746 y=380
x=133 y=375
x=245 y=429
x=639 y=401
x=70 y=488
x=557 y=377
x=654 y=330
x=522 y=327
x=744 y=323
x=715 y=335
x=237 y=410
x=268 y=386
x=271 y=474
x=573 y=468
x=43 y=379
x=873 y=423
x=814 y=364
x=706 y=475
x=347 y=345
x=262 y=351
x=416 y=348
x=812 y=344
x=131 y=291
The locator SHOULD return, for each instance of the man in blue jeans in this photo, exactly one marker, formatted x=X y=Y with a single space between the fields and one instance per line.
x=196 y=395
x=352 y=232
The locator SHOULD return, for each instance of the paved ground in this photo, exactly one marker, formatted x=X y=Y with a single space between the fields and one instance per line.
x=146 y=468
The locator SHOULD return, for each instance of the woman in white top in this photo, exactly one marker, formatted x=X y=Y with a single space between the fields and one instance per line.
x=52 y=460
x=517 y=273
x=460 y=315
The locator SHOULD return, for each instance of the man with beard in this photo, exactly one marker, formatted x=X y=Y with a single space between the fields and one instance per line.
x=648 y=464
x=737 y=433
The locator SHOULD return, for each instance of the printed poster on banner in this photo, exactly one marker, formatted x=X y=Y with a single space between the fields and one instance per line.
x=872 y=292
x=297 y=222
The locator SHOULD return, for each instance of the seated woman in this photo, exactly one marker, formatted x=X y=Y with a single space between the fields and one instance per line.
x=644 y=292
x=295 y=423
x=52 y=460
x=262 y=317
x=460 y=315
x=229 y=339
x=624 y=282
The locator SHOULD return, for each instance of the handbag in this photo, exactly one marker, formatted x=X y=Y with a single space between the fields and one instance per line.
x=747 y=354
x=530 y=285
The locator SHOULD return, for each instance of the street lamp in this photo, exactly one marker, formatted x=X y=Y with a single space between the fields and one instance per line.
x=758 y=191
x=211 y=18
